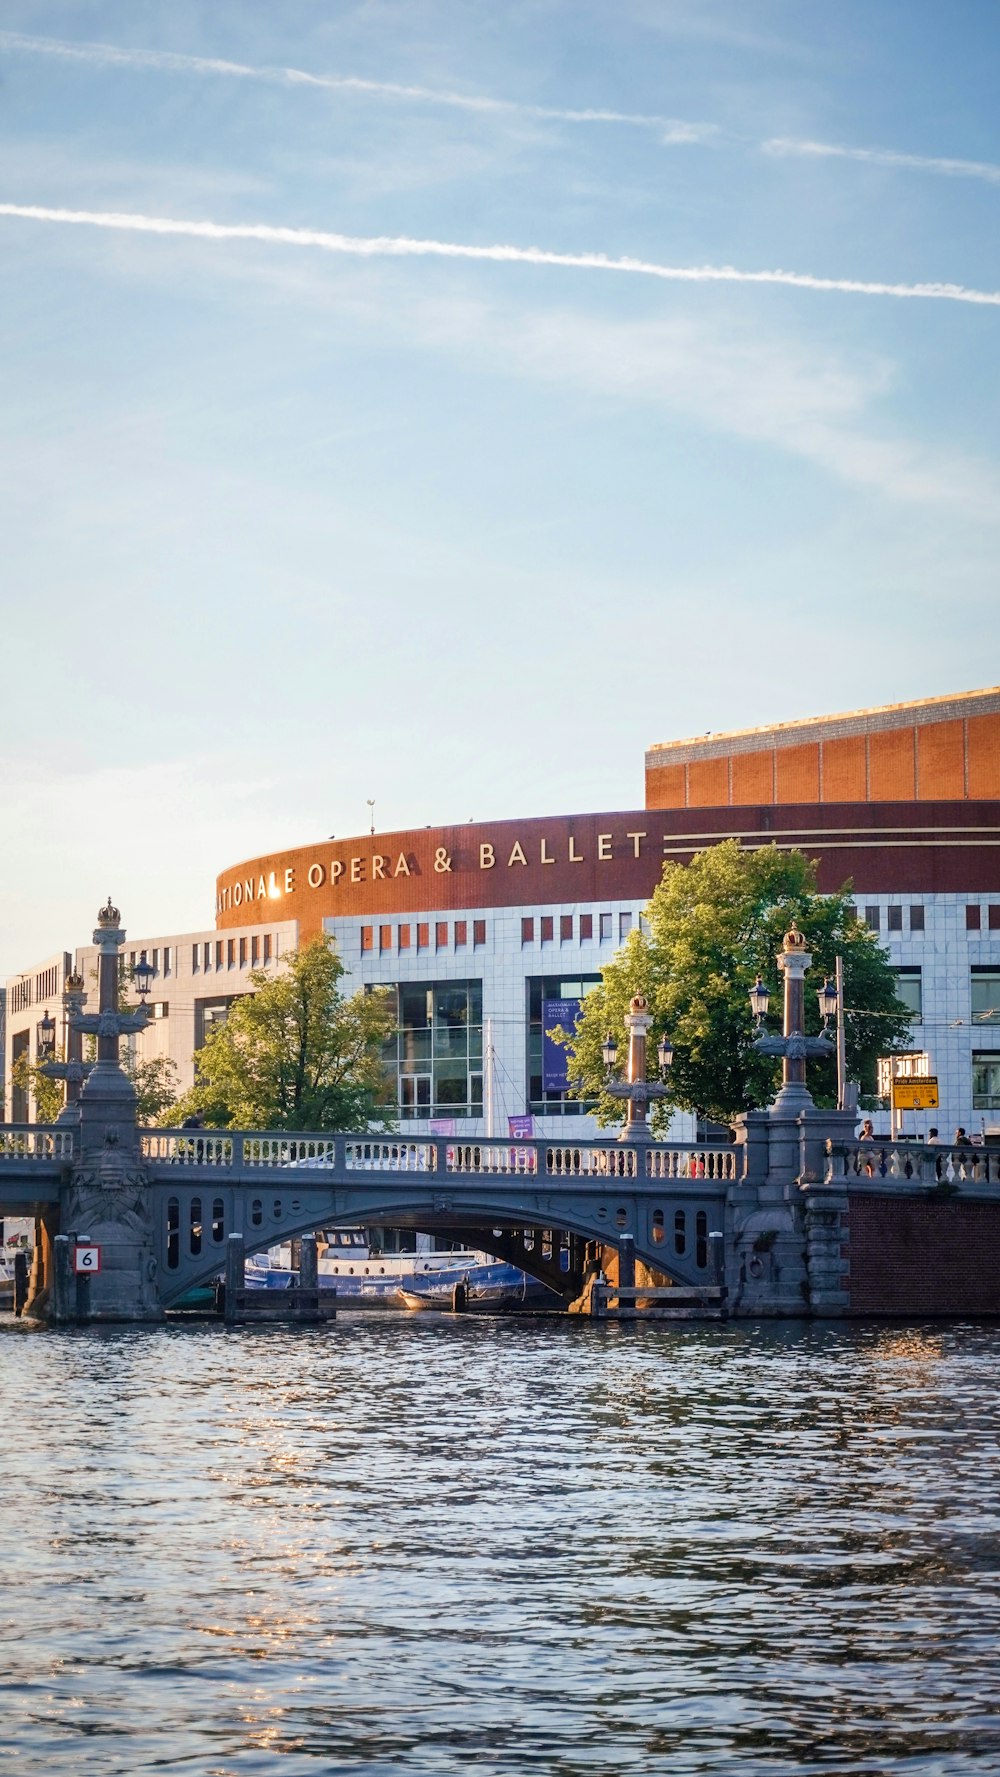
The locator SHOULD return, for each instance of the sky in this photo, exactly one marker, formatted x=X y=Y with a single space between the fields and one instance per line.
x=439 y=403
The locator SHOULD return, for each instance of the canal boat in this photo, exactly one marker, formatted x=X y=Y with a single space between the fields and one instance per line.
x=365 y=1277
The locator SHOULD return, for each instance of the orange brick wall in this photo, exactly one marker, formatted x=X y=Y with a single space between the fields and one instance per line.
x=798 y=773
x=753 y=778
x=845 y=769
x=935 y=762
x=984 y=756
x=941 y=762
x=892 y=766
x=708 y=783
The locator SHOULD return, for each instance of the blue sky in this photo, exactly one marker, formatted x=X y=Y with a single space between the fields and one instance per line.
x=287 y=525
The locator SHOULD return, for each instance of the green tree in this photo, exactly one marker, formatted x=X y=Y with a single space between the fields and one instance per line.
x=713 y=926
x=155 y=1082
x=27 y=1077
x=296 y=1053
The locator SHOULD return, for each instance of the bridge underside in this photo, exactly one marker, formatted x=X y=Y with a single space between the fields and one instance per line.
x=193 y=1218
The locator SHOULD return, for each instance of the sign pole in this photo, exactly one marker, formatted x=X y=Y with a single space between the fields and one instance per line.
x=841 y=1044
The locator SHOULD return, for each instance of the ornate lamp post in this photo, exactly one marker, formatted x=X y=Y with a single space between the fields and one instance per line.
x=635 y=1089
x=793 y=1045
x=106 y=1079
x=74 y=1069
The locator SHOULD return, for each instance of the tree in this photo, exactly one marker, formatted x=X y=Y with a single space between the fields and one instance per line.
x=155 y=1082
x=26 y=1076
x=297 y=1054
x=713 y=926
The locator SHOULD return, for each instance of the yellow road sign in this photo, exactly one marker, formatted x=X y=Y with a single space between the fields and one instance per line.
x=915 y=1095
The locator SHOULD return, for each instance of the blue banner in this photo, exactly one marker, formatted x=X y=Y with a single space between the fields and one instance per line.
x=555 y=1059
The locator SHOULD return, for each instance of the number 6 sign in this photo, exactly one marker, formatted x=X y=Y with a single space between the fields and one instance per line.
x=86 y=1260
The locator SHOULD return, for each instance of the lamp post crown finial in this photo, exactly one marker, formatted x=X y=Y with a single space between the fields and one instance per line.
x=638 y=1003
x=794 y=939
x=74 y=982
x=109 y=915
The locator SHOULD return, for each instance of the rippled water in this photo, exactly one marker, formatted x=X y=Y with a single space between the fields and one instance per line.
x=416 y=1544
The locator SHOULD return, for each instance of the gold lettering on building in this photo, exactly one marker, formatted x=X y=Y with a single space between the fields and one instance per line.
x=272 y=888
x=517 y=856
x=317 y=876
x=238 y=894
x=290 y=880
x=402 y=868
x=357 y=869
x=635 y=838
x=336 y=871
x=545 y=853
x=261 y=888
x=248 y=889
x=604 y=845
x=378 y=868
x=575 y=857
x=487 y=857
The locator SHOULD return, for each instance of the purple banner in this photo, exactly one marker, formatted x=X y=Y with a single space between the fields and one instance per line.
x=555 y=1059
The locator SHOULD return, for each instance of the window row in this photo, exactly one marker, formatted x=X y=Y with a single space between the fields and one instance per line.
x=229 y=953
x=446 y=936
x=893 y=917
x=582 y=931
x=984 y=986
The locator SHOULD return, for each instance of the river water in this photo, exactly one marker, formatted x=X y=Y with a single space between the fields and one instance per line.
x=417 y=1544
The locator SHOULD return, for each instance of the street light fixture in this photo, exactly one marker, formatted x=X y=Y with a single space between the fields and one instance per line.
x=793 y=1045
x=760 y=999
x=828 y=998
x=609 y=1052
x=45 y=1031
x=635 y=1089
x=142 y=975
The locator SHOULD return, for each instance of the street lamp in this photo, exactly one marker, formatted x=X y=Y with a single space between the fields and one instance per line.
x=793 y=1045
x=45 y=1032
x=142 y=975
x=635 y=1089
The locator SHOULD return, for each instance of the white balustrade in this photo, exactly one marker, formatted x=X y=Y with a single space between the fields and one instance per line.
x=925 y=1163
x=693 y=1163
x=32 y=1143
x=193 y=1149
x=390 y=1156
x=277 y=1151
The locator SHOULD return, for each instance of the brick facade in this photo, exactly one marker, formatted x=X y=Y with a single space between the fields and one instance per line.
x=922 y=1256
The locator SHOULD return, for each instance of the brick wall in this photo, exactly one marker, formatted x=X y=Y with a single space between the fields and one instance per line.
x=920 y=1256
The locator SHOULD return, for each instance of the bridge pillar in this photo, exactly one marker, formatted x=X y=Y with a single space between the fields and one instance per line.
x=236 y=1262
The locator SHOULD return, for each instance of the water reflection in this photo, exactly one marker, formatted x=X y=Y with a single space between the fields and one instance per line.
x=405 y=1545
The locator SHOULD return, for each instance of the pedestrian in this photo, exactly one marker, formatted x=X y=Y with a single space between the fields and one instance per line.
x=961 y=1139
x=933 y=1136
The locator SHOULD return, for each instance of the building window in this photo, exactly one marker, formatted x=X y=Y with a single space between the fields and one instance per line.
x=605 y=928
x=972 y=917
x=230 y=954
x=166 y=959
x=586 y=928
x=367 y=937
x=243 y=955
x=218 y=953
x=566 y=928
x=423 y=936
x=195 y=959
x=208 y=1014
x=624 y=926
x=993 y=918
x=872 y=919
x=527 y=931
x=909 y=988
x=254 y=952
x=850 y=910
x=916 y=919
x=986 y=1081
x=479 y=931
x=894 y=919
x=404 y=937
x=437 y=1051
x=547 y=928
x=385 y=937
x=986 y=996
x=546 y=1061
x=441 y=935
x=461 y=934
x=161 y=1009
x=267 y=948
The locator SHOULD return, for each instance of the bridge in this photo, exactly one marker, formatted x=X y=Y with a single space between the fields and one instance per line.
x=769 y=1217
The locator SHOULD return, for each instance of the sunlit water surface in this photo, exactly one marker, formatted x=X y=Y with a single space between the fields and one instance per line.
x=420 y=1544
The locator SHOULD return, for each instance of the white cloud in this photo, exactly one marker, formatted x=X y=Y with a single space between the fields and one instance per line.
x=886 y=157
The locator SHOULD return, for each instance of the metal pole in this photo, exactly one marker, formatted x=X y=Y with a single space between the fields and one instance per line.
x=841 y=1043
x=488 y=1069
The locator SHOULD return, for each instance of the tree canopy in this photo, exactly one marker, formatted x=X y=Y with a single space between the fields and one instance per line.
x=297 y=1053
x=710 y=928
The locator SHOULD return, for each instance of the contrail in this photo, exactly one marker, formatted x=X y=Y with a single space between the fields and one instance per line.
x=887 y=157
x=109 y=55
x=402 y=247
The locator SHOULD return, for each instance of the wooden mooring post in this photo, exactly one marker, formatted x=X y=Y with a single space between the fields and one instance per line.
x=304 y=1301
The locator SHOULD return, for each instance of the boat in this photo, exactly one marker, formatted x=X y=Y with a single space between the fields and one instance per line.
x=473 y=1290
x=364 y=1276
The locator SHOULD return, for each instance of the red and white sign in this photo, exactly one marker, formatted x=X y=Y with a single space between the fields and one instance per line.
x=86 y=1260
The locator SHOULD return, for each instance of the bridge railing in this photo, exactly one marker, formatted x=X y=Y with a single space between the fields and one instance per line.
x=276 y=1151
x=32 y=1141
x=902 y=1162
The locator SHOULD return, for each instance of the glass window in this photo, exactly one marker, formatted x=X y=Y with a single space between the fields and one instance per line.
x=404 y=937
x=437 y=1051
x=624 y=926
x=441 y=934
x=542 y=988
x=367 y=937
x=547 y=928
x=994 y=918
x=461 y=933
x=605 y=928
x=909 y=987
x=385 y=937
x=986 y=996
x=873 y=918
x=894 y=919
x=527 y=931
x=972 y=919
x=586 y=927
x=916 y=919
x=479 y=931
x=986 y=1081
x=565 y=928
